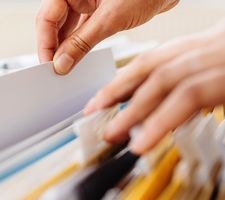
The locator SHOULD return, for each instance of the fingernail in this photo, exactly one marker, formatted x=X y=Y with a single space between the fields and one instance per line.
x=63 y=63
x=138 y=143
x=90 y=106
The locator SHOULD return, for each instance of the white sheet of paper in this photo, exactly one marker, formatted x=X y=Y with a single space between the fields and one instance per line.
x=36 y=98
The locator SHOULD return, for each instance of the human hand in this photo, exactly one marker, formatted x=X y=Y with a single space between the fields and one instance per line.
x=68 y=30
x=167 y=85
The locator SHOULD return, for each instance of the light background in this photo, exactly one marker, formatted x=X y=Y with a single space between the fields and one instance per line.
x=17 y=23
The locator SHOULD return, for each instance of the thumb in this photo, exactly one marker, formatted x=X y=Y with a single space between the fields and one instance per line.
x=80 y=42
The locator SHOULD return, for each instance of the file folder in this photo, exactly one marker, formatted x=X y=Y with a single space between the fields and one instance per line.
x=45 y=155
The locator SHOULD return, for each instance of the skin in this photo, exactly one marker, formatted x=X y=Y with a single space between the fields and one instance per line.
x=68 y=29
x=167 y=85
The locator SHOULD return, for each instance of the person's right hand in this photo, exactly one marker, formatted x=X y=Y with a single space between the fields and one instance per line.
x=167 y=86
x=68 y=29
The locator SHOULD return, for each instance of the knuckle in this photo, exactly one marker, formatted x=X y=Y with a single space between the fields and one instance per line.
x=143 y=56
x=160 y=77
x=161 y=73
x=143 y=59
x=194 y=59
x=141 y=64
x=112 y=21
x=190 y=93
x=78 y=45
x=109 y=28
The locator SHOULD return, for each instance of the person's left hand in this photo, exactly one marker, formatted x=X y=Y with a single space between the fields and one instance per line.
x=168 y=85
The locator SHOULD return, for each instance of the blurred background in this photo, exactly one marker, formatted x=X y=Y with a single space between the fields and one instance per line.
x=17 y=24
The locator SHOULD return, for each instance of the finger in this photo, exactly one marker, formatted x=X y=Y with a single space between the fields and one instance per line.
x=78 y=44
x=48 y=17
x=75 y=19
x=160 y=83
x=134 y=114
x=69 y=25
x=164 y=79
x=167 y=76
x=139 y=69
x=83 y=19
x=200 y=90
